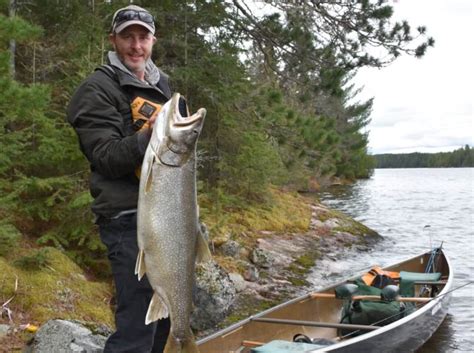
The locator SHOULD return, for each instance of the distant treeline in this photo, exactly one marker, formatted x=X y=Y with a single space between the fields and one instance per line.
x=463 y=157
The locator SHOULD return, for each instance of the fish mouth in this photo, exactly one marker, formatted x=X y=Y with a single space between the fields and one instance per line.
x=180 y=113
x=183 y=129
x=181 y=133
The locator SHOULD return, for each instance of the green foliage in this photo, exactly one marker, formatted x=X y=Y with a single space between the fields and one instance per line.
x=36 y=261
x=17 y=29
x=43 y=187
x=9 y=237
x=253 y=167
x=460 y=158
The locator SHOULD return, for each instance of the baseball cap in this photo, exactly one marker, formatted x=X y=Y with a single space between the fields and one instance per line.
x=132 y=15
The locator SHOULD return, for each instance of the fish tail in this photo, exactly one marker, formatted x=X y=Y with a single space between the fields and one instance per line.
x=175 y=345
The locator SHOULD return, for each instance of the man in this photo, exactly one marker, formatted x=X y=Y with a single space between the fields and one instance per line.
x=113 y=112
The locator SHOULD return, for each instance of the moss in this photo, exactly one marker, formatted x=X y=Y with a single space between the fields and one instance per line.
x=355 y=228
x=302 y=265
x=264 y=274
x=249 y=305
x=298 y=281
x=347 y=224
x=284 y=212
x=329 y=214
x=307 y=260
x=300 y=268
x=59 y=289
x=230 y=264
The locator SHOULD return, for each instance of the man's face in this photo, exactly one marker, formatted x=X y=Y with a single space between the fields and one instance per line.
x=133 y=45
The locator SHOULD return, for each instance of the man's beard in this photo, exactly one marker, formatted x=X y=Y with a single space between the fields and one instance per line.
x=134 y=69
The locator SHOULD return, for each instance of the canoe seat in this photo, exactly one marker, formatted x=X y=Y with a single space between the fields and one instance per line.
x=408 y=279
x=279 y=346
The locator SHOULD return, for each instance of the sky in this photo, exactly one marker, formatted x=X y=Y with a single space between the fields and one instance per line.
x=425 y=105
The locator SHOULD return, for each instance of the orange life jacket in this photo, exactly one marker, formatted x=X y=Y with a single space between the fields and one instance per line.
x=375 y=271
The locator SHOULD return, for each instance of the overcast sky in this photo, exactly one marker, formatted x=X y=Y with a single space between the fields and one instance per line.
x=425 y=105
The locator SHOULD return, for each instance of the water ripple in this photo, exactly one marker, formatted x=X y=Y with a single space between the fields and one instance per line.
x=413 y=208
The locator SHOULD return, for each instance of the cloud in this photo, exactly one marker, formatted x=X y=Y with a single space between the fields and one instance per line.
x=425 y=104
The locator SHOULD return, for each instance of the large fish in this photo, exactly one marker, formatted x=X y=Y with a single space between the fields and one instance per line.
x=169 y=237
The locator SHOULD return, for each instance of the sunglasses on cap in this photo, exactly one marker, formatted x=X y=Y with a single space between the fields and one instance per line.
x=128 y=15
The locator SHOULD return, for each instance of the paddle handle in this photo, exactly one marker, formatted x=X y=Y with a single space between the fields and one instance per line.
x=372 y=297
x=252 y=344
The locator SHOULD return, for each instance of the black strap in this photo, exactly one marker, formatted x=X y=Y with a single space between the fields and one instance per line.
x=299 y=337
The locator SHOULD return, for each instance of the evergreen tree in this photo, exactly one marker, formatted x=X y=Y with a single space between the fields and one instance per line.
x=43 y=196
x=281 y=108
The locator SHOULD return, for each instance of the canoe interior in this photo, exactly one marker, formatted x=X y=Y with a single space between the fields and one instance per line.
x=305 y=308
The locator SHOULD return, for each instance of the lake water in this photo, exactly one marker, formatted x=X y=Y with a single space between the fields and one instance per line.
x=412 y=209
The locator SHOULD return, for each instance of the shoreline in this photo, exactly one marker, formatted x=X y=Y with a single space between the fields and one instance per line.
x=287 y=260
x=268 y=267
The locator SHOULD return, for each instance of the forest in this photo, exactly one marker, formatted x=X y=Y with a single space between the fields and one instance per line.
x=460 y=158
x=274 y=76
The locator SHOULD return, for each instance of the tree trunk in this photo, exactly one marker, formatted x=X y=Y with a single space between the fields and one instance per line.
x=11 y=14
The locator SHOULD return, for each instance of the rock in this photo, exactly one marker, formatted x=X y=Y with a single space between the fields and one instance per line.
x=65 y=336
x=332 y=222
x=251 y=274
x=261 y=258
x=4 y=329
x=316 y=223
x=244 y=253
x=220 y=240
x=238 y=280
x=231 y=248
x=213 y=296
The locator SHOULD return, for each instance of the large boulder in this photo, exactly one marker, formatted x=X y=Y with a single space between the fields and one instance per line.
x=213 y=296
x=67 y=337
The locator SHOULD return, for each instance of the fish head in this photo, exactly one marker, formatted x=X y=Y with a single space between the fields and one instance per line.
x=180 y=132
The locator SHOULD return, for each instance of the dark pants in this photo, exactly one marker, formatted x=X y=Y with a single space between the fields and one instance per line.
x=132 y=296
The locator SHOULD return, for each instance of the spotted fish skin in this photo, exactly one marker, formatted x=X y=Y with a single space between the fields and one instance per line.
x=169 y=237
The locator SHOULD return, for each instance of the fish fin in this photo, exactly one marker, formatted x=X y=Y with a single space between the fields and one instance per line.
x=187 y=345
x=140 y=267
x=203 y=254
x=149 y=176
x=156 y=310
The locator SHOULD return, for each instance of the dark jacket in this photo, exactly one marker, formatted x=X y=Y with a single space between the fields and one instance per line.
x=100 y=113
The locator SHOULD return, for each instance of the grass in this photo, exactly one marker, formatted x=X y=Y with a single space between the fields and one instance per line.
x=348 y=225
x=281 y=212
x=58 y=289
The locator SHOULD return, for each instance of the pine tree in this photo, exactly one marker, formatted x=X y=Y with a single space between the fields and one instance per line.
x=43 y=197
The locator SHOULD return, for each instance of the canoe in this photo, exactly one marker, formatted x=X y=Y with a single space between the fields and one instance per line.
x=317 y=316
